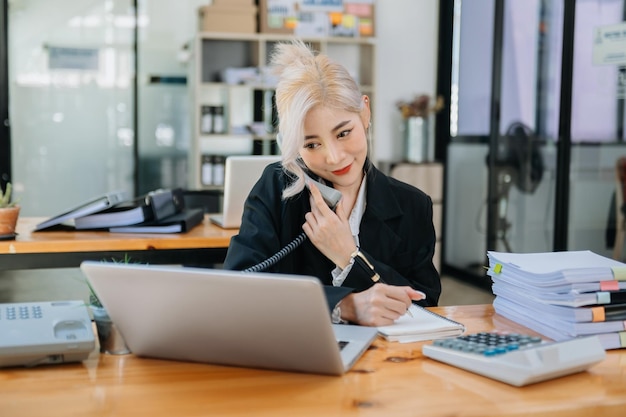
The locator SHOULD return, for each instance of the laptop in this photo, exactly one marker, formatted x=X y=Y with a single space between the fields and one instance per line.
x=241 y=172
x=257 y=320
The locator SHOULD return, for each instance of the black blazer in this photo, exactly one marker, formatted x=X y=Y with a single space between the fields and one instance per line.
x=396 y=235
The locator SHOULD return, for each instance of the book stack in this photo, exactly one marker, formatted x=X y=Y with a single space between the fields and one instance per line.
x=562 y=295
x=160 y=211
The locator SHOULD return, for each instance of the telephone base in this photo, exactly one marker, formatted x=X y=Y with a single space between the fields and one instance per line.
x=45 y=333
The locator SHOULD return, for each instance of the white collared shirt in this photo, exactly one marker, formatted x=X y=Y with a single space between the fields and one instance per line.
x=339 y=275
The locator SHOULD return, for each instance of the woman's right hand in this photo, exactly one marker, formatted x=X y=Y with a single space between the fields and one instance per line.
x=379 y=305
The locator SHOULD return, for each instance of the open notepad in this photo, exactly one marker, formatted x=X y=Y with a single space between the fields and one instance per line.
x=420 y=325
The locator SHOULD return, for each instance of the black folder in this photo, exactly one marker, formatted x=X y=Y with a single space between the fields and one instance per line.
x=152 y=207
x=177 y=223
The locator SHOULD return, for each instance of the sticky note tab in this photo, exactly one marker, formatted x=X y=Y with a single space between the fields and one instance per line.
x=603 y=297
x=597 y=314
x=497 y=268
x=619 y=273
x=622 y=339
x=609 y=285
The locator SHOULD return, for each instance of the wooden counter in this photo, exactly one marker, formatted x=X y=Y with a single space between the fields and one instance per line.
x=391 y=379
x=206 y=243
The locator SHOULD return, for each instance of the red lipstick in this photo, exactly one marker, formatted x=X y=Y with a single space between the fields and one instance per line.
x=343 y=171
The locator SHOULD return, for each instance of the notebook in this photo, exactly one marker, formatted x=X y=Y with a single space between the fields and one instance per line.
x=241 y=172
x=419 y=324
x=257 y=320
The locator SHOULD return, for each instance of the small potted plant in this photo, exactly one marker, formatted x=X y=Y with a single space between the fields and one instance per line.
x=9 y=212
x=111 y=341
x=109 y=337
x=418 y=146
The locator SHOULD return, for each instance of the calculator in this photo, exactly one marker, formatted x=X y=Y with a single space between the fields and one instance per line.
x=516 y=359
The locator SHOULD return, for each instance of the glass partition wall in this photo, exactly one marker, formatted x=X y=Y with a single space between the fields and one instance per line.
x=71 y=76
x=98 y=98
x=536 y=127
x=597 y=122
x=163 y=113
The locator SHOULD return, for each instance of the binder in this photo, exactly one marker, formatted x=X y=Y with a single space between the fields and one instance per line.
x=177 y=223
x=153 y=206
x=121 y=215
x=88 y=207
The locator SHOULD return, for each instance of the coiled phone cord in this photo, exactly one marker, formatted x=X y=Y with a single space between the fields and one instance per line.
x=262 y=266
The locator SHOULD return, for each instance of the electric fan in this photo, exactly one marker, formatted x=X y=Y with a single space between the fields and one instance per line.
x=518 y=162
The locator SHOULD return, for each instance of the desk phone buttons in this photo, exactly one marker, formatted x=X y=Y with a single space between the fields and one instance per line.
x=21 y=312
x=516 y=359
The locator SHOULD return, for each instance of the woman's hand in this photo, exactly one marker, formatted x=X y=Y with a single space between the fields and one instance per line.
x=329 y=231
x=379 y=305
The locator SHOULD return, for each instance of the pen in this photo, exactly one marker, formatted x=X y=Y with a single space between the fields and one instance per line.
x=360 y=259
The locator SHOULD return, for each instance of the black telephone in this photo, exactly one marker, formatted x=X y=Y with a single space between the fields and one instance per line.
x=331 y=197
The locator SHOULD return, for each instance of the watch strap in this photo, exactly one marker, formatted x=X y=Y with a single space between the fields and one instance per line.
x=362 y=262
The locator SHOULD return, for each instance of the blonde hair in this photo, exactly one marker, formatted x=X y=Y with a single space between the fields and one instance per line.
x=306 y=80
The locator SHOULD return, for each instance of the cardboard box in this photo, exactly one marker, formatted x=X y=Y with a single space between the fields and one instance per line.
x=238 y=3
x=236 y=19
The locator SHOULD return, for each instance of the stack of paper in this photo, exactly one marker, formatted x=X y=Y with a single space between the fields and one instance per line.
x=562 y=295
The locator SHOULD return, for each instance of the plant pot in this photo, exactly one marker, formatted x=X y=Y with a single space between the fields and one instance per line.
x=8 y=220
x=110 y=338
x=417 y=145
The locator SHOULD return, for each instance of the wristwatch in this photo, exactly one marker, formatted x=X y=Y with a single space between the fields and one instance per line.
x=336 y=315
x=359 y=259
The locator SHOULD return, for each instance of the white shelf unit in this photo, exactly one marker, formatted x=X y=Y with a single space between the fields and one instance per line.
x=250 y=104
x=428 y=177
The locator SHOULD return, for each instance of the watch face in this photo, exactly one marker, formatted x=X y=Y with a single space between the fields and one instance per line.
x=336 y=316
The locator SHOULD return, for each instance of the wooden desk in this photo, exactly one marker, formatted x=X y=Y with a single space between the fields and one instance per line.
x=204 y=244
x=391 y=379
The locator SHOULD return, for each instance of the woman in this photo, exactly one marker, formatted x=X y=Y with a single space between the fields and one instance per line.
x=374 y=252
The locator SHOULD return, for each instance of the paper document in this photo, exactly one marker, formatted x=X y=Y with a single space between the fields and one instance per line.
x=525 y=317
x=554 y=268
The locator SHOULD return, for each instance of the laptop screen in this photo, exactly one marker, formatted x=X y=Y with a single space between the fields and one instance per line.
x=241 y=173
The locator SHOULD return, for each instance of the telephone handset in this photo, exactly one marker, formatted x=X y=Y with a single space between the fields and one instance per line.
x=331 y=197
